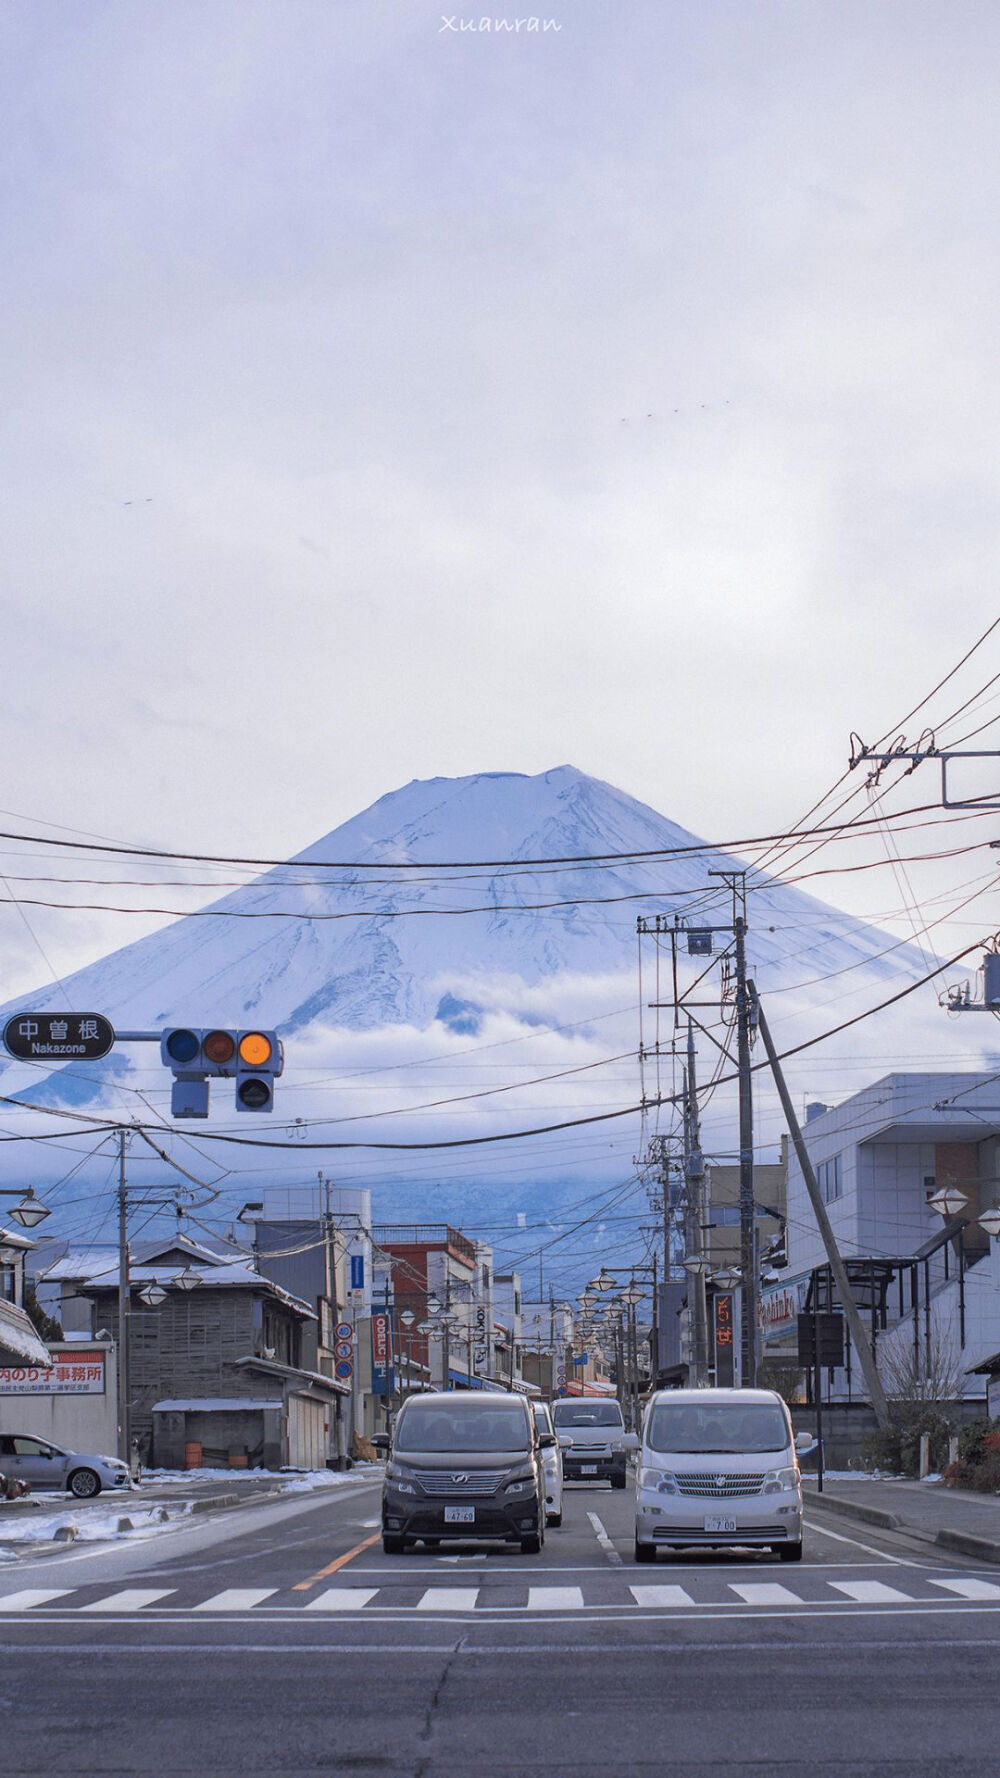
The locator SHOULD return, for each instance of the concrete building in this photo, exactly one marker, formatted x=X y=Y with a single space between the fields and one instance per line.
x=927 y=1287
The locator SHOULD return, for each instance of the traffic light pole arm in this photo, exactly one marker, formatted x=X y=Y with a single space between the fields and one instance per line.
x=861 y=1340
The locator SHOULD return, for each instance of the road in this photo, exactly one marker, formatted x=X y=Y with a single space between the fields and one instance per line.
x=278 y=1639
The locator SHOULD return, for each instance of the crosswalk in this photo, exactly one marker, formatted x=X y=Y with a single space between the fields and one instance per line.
x=611 y=1593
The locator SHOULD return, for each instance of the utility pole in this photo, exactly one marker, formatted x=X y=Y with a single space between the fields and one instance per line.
x=124 y=1309
x=861 y=1339
x=748 y=1232
x=694 y=1176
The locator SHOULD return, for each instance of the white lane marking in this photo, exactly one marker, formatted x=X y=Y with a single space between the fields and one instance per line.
x=448 y=1599
x=131 y=1599
x=342 y=1599
x=662 y=1596
x=605 y=1541
x=856 y=1544
x=766 y=1593
x=236 y=1599
x=969 y=1589
x=445 y=1559
x=29 y=1596
x=555 y=1599
x=871 y=1592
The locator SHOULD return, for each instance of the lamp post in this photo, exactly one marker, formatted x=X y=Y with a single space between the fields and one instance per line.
x=30 y=1211
x=408 y=1318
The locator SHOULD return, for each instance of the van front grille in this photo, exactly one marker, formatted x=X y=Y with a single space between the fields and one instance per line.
x=719 y=1487
x=441 y=1482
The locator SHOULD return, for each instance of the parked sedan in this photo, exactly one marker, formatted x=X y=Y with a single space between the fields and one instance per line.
x=42 y=1464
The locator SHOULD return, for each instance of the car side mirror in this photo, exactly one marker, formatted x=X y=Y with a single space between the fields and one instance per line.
x=804 y=1441
x=546 y=1441
x=380 y=1440
x=631 y=1441
x=564 y=1441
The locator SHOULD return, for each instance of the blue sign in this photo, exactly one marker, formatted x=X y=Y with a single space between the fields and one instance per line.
x=343 y=1369
x=357 y=1271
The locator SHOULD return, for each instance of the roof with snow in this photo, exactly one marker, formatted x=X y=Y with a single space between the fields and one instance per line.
x=19 y=1343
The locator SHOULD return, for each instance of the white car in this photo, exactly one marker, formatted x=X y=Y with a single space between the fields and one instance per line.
x=552 y=1463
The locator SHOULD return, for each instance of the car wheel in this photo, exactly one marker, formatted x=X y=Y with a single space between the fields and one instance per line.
x=789 y=1552
x=85 y=1483
x=392 y=1546
x=618 y=1481
x=554 y=1519
x=532 y=1544
x=645 y=1552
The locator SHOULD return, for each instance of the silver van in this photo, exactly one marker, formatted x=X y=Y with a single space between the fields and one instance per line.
x=718 y=1467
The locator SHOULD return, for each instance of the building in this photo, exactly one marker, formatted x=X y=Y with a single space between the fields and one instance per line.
x=446 y=1283
x=216 y=1369
x=928 y=1287
x=20 y=1343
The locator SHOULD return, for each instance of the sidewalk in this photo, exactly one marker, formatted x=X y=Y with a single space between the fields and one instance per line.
x=953 y=1518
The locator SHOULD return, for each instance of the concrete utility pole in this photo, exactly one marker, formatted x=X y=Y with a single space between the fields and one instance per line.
x=748 y=1233
x=124 y=1309
x=862 y=1342
x=694 y=1176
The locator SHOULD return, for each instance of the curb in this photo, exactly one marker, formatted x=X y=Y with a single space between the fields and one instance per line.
x=851 y=1509
x=980 y=1548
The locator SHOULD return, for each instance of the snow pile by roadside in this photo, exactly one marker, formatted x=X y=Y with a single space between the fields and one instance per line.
x=93 y=1526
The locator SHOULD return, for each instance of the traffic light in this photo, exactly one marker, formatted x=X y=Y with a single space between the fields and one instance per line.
x=195 y=1056
x=260 y=1059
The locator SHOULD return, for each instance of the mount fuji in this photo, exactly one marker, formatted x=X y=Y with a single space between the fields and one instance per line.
x=419 y=963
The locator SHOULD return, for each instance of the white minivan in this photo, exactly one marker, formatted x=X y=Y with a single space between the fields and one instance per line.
x=718 y=1467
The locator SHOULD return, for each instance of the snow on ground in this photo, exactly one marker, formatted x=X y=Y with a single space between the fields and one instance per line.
x=26 y=1522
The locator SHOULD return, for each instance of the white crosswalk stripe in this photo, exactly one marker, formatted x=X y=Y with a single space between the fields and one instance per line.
x=237 y=1599
x=970 y=1589
x=342 y=1599
x=131 y=1599
x=814 y=1593
x=871 y=1592
x=660 y=1596
x=30 y=1596
x=766 y=1593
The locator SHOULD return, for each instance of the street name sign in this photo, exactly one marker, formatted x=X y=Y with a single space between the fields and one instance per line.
x=58 y=1036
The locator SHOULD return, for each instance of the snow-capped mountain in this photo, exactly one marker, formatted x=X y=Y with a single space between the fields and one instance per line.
x=335 y=938
x=460 y=996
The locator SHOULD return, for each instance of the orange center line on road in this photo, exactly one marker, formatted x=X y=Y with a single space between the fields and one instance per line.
x=302 y=1586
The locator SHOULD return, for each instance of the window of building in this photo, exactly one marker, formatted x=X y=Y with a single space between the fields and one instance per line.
x=829 y=1178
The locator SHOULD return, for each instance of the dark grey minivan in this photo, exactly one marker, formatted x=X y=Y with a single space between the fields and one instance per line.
x=464 y=1464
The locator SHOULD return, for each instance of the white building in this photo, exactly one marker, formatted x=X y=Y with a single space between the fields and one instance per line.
x=924 y=1285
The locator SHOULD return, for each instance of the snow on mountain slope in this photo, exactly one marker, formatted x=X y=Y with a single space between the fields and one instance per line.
x=360 y=949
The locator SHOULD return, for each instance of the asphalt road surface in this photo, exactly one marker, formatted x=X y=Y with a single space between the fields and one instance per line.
x=279 y=1639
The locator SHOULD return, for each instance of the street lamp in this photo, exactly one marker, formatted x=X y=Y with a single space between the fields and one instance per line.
x=30 y=1211
x=408 y=1318
x=152 y=1294
x=696 y=1265
x=949 y=1201
x=990 y=1221
x=187 y=1279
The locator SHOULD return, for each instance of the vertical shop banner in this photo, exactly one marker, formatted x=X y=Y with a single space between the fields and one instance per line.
x=725 y=1368
x=383 y=1382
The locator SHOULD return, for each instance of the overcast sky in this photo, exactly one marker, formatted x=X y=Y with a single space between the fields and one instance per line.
x=384 y=401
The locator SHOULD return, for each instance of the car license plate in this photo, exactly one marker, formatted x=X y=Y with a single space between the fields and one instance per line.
x=588 y=1469
x=713 y=1523
x=459 y=1515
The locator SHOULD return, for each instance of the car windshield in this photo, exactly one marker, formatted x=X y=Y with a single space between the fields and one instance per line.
x=717 y=1428
x=587 y=1413
x=438 y=1428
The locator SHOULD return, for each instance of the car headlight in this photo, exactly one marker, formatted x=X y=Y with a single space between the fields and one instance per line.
x=777 y=1480
x=660 y=1479
x=396 y=1479
x=525 y=1485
